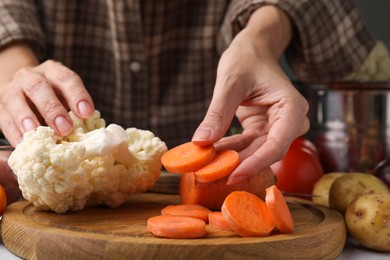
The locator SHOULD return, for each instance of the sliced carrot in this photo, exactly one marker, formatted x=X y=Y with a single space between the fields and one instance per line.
x=213 y=195
x=218 y=221
x=176 y=227
x=187 y=157
x=279 y=210
x=222 y=165
x=187 y=210
x=247 y=214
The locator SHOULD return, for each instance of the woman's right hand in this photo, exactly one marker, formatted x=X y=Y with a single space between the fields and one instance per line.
x=38 y=95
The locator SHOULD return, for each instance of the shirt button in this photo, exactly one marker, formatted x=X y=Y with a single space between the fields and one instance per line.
x=135 y=66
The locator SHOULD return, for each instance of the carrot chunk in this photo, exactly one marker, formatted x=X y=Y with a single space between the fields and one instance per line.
x=279 y=210
x=187 y=210
x=247 y=214
x=222 y=165
x=218 y=221
x=176 y=227
x=187 y=157
x=213 y=195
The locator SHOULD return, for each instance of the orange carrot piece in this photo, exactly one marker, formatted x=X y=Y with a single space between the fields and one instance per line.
x=247 y=214
x=279 y=210
x=3 y=200
x=218 y=221
x=187 y=157
x=213 y=195
x=222 y=165
x=187 y=210
x=176 y=227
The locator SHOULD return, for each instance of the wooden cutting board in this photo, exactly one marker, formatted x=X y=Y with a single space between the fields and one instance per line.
x=103 y=233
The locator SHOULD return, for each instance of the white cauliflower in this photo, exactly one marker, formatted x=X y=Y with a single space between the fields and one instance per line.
x=376 y=67
x=93 y=165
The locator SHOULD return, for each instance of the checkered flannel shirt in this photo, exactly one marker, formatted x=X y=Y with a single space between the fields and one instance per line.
x=152 y=64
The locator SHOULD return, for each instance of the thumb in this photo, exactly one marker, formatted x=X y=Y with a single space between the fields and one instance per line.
x=218 y=118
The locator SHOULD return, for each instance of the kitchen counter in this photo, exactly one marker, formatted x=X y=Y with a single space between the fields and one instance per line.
x=352 y=250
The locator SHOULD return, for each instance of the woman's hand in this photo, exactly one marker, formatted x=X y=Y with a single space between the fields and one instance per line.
x=251 y=85
x=33 y=95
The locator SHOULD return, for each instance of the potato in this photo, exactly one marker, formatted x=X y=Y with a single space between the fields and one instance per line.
x=352 y=185
x=322 y=186
x=368 y=221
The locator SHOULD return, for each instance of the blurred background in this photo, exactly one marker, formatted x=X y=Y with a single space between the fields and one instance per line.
x=376 y=14
x=350 y=123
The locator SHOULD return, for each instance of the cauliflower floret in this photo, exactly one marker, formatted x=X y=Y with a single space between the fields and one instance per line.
x=86 y=125
x=376 y=67
x=88 y=167
x=142 y=169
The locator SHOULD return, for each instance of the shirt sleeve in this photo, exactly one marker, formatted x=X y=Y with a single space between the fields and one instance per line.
x=19 y=22
x=330 y=39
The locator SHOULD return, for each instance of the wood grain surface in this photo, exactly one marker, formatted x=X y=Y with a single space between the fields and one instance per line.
x=104 y=233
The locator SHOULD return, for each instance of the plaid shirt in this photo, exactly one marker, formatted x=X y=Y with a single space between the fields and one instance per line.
x=152 y=64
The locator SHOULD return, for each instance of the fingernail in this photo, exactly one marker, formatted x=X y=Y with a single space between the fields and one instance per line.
x=62 y=125
x=234 y=180
x=84 y=108
x=202 y=134
x=28 y=124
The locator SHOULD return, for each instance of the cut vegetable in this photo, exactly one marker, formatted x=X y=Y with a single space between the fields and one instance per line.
x=222 y=165
x=176 y=227
x=279 y=210
x=247 y=214
x=213 y=195
x=218 y=221
x=187 y=157
x=187 y=210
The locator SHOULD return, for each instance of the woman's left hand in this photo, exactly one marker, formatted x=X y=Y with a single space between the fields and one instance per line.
x=251 y=85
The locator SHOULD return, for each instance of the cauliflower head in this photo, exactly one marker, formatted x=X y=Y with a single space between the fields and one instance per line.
x=94 y=165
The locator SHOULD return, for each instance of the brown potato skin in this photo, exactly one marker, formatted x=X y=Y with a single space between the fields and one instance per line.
x=349 y=187
x=368 y=221
x=322 y=186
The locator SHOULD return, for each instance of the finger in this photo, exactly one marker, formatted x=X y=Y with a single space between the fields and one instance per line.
x=69 y=87
x=41 y=93
x=220 y=113
x=273 y=149
x=236 y=142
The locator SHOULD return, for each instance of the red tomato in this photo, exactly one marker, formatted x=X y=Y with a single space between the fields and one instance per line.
x=306 y=144
x=300 y=169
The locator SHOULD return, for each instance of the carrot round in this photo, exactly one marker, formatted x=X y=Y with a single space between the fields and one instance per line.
x=176 y=227
x=187 y=210
x=279 y=210
x=247 y=214
x=187 y=157
x=222 y=165
x=218 y=221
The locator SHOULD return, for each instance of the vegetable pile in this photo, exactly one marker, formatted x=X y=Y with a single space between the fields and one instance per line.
x=94 y=165
x=204 y=172
x=238 y=208
x=364 y=200
x=242 y=212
